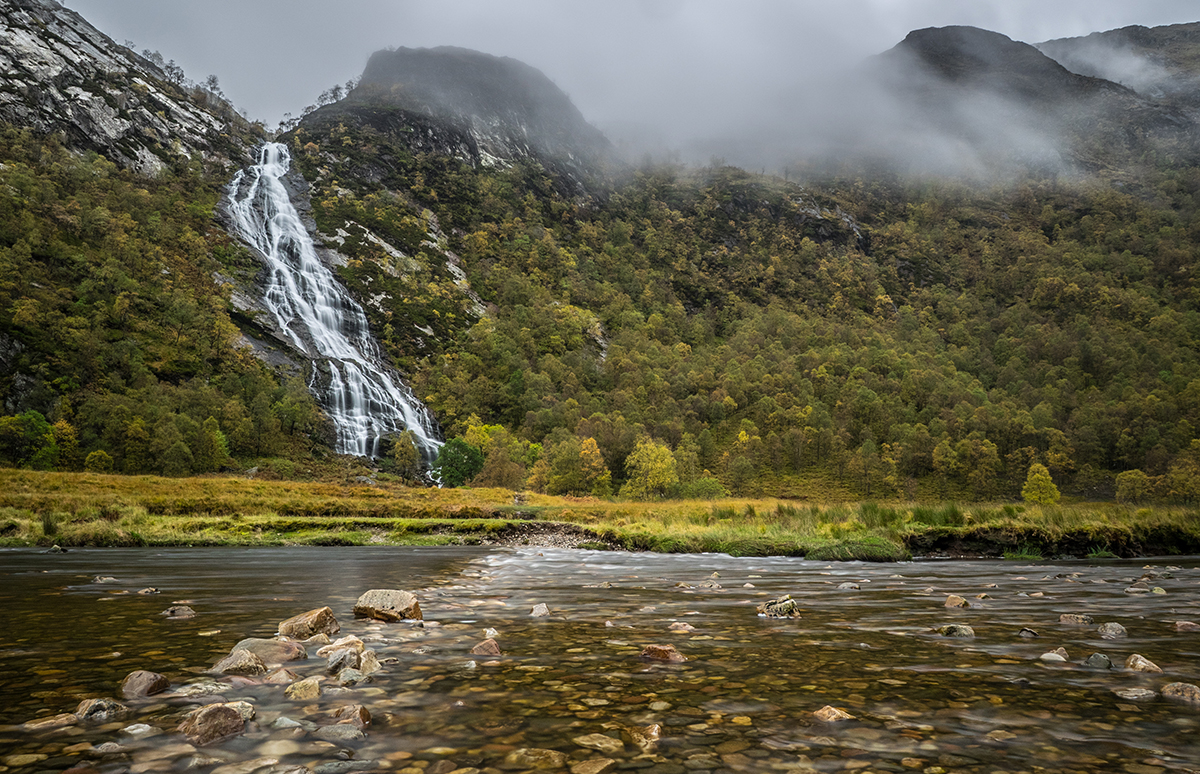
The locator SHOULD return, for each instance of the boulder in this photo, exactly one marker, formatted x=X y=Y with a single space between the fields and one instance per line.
x=303 y=690
x=305 y=625
x=350 y=676
x=955 y=600
x=281 y=676
x=1112 y=631
x=100 y=710
x=486 y=648
x=346 y=658
x=1139 y=663
x=273 y=651
x=240 y=662
x=536 y=758
x=783 y=607
x=666 y=653
x=1185 y=692
x=243 y=708
x=212 y=723
x=388 y=605
x=956 y=630
x=830 y=714
x=368 y=662
x=179 y=613
x=1187 y=626
x=1075 y=618
x=539 y=611
x=1098 y=661
x=142 y=683
x=1056 y=656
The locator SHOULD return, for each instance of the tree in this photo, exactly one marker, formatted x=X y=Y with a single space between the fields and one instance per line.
x=98 y=462
x=650 y=471
x=212 y=448
x=67 y=441
x=572 y=467
x=1133 y=486
x=406 y=457
x=457 y=463
x=1039 y=488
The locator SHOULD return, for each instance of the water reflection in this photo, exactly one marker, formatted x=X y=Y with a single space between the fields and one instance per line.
x=743 y=701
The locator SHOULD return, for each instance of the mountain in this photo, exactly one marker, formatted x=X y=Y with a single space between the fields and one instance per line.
x=63 y=75
x=1161 y=63
x=484 y=109
x=1015 y=106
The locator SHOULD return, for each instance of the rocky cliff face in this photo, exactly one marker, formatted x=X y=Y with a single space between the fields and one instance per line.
x=60 y=74
x=483 y=109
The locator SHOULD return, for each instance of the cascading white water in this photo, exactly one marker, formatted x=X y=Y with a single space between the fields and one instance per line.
x=312 y=308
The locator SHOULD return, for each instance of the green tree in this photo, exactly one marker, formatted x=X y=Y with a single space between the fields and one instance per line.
x=1039 y=488
x=177 y=460
x=137 y=447
x=1133 y=486
x=457 y=463
x=67 y=440
x=212 y=449
x=650 y=471
x=406 y=457
x=98 y=461
x=573 y=466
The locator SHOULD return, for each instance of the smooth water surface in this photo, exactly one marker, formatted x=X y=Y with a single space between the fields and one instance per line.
x=743 y=701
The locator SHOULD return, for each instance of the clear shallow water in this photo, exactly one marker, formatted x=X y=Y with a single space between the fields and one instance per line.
x=742 y=702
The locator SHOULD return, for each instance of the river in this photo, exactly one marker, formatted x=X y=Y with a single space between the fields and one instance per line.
x=743 y=701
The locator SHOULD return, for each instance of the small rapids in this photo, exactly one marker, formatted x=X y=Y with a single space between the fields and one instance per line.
x=358 y=391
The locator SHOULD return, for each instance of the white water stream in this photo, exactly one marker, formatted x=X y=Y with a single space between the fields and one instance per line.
x=363 y=398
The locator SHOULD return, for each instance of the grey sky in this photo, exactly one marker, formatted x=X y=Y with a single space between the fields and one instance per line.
x=664 y=64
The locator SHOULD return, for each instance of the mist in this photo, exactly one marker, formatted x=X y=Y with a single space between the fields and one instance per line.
x=764 y=84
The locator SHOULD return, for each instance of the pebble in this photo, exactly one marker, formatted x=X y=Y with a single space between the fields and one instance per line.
x=1135 y=694
x=600 y=743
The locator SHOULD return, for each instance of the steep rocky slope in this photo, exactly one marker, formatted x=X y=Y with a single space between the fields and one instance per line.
x=61 y=74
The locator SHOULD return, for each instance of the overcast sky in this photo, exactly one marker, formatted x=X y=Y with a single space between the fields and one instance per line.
x=663 y=64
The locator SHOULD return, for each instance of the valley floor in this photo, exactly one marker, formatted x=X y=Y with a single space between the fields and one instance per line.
x=87 y=509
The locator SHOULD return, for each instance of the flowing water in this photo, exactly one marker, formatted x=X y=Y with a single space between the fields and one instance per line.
x=358 y=391
x=742 y=702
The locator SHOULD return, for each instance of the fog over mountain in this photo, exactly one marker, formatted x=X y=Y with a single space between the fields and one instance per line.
x=690 y=80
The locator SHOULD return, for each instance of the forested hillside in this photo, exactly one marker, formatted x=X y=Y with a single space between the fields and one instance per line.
x=858 y=337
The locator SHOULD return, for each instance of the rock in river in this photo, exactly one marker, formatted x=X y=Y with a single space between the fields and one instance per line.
x=486 y=648
x=272 y=651
x=1139 y=663
x=212 y=723
x=539 y=610
x=305 y=625
x=536 y=758
x=1098 y=661
x=303 y=690
x=100 y=710
x=1075 y=618
x=388 y=605
x=831 y=714
x=1187 y=626
x=1185 y=692
x=955 y=600
x=783 y=607
x=956 y=630
x=663 y=653
x=240 y=662
x=179 y=613
x=1112 y=631
x=600 y=743
x=143 y=683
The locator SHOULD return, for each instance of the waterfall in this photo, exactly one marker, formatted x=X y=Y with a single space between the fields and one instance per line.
x=357 y=389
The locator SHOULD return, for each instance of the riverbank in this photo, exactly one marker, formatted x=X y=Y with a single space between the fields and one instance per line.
x=84 y=509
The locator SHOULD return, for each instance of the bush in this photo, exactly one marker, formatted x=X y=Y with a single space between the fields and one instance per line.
x=98 y=462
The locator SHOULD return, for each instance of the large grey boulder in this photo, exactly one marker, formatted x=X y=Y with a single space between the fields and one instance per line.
x=388 y=605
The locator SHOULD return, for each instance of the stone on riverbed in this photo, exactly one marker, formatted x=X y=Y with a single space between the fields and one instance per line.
x=1112 y=631
x=273 y=651
x=644 y=738
x=240 y=662
x=831 y=714
x=1098 y=661
x=783 y=607
x=354 y=714
x=54 y=721
x=281 y=676
x=305 y=625
x=955 y=600
x=368 y=662
x=592 y=766
x=539 y=610
x=536 y=758
x=212 y=723
x=303 y=690
x=346 y=658
x=1075 y=618
x=142 y=683
x=956 y=630
x=1135 y=694
x=341 y=732
x=666 y=653
x=179 y=613
x=243 y=708
x=388 y=605
x=600 y=743
x=350 y=677
x=1187 y=626
x=100 y=710
x=486 y=648
x=349 y=641
x=1058 y=655
x=1027 y=633
x=1185 y=692
x=1139 y=663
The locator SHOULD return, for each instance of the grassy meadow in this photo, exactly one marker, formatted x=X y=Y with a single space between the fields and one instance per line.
x=87 y=509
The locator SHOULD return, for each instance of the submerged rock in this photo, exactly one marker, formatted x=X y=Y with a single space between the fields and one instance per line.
x=273 y=651
x=354 y=714
x=1075 y=618
x=488 y=647
x=1027 y=633
x=100 y=710
x=831 y=714
x=1185 y=692
x=281 y=676
x=1139 y=663
x=593 y=766
x=388 y=605
x=305 y=625
x=1098 y=661
x=644 y=738
x=54 y=721
x=600 y=743
x=1135 y=694
x=955 y=600
x=536 y=758
x=142 y=683
x=348 y=642
x=956 y=630
x=783 y=607
x=1187 y=626
x=212 y=723
x=341 y=732
x=1112 y=631
x=179 y=613
x=666 y=653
